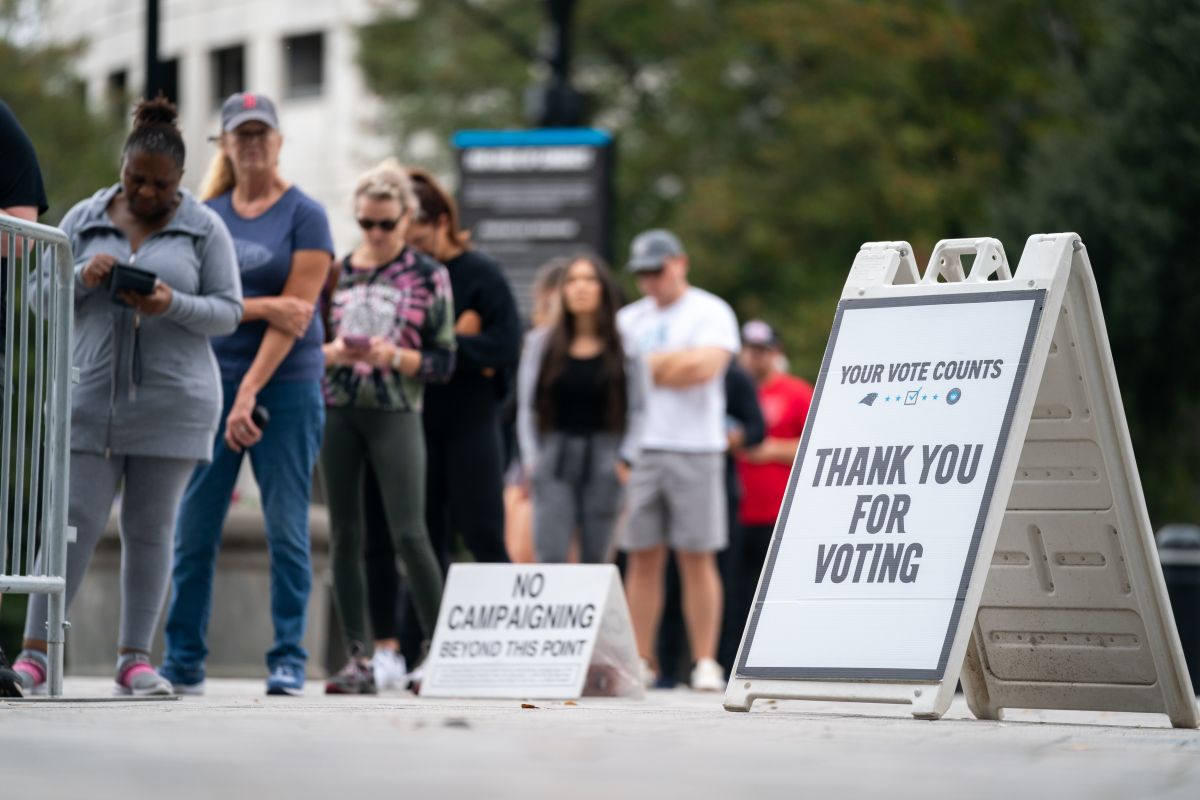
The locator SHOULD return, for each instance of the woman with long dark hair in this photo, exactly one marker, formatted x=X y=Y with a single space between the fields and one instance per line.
x=580 y=399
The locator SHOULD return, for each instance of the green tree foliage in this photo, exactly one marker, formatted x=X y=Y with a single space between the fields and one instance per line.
x=1120 y=169
x=77 y=150
x=777 y=136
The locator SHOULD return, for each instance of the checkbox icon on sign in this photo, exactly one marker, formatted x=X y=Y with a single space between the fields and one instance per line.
x=910 y=399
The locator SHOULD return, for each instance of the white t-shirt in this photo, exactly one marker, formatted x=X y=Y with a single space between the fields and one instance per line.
x=691 y=419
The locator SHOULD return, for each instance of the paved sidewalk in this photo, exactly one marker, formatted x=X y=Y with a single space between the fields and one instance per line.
x=237 y=743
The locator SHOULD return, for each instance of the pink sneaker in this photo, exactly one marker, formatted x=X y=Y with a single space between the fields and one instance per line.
x=138 y=677
x=32 y=674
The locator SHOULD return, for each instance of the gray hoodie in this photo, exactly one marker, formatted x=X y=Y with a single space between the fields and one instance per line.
x=166 y=402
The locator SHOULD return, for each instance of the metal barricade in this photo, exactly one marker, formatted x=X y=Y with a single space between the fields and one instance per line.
x=38 y=284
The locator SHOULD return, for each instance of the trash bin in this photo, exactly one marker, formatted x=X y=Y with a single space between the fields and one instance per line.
x=1179 y=552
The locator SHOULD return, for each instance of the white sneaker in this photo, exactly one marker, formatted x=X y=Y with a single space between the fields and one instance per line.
x=649 y=675
x=390 y=669
x=707 y=676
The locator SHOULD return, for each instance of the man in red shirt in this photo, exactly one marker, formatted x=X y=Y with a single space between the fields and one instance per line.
x=764 y=469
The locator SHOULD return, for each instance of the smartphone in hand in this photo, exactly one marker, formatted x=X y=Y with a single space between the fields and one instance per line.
x=357 y=342
x=128 y=278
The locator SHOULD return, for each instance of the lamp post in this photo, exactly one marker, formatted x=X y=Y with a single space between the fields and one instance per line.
x=154 y=76
x=560 y=104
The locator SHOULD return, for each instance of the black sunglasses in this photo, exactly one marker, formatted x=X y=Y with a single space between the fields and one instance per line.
x=387 y=225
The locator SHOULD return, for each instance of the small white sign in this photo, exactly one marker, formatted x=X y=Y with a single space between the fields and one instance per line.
x=887 y=499
x=549 y=631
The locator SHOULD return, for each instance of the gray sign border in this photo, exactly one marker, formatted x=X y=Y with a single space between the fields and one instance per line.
x=852 y=673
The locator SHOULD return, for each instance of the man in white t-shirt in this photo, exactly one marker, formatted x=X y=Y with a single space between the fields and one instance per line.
x=676 y=493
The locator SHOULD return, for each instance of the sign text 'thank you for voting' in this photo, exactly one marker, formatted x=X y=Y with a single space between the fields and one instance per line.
x=892 y=556
x=890 y=488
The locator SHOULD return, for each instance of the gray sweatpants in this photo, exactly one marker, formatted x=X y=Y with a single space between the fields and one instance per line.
x=153 y=488
x=575 y=486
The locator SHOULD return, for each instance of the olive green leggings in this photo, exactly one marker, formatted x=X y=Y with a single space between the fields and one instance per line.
x=394 y=442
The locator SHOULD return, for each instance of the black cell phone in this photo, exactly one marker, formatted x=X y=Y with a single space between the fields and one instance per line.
x=128 y=278
x=260 y=417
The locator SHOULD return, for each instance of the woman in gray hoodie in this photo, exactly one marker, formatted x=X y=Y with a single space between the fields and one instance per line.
x=149 y=395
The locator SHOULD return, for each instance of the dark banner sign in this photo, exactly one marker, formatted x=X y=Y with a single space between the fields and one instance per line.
x=527 y=196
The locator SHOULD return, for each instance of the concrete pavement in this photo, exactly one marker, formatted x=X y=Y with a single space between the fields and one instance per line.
x=237 y=743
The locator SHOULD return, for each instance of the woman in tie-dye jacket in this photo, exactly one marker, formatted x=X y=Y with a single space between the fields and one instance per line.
x=392 y=329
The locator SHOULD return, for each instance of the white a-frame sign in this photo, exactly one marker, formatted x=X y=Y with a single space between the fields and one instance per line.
x=965 y=500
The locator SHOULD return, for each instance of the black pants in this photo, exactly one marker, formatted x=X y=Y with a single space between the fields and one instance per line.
x=741 y=565
x=465 y=483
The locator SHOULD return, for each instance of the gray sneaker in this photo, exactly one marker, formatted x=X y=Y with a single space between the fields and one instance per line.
x=356 y=677
x=136 y=676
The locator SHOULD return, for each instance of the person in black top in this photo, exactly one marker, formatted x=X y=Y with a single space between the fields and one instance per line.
x=462 y=434
x=22 y=195
x=578 y=417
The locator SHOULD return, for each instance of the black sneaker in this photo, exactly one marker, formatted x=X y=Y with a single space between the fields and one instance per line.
x=10 y=682
x=413 y=680
x=357 y=677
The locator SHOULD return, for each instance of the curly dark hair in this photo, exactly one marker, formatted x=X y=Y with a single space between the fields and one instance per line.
x=156 y=130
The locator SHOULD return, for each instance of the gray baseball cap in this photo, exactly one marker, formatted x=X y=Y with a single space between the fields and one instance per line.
x=650 y=248
x=244 y=107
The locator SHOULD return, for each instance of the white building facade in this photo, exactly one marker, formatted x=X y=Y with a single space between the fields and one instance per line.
x=301 y=53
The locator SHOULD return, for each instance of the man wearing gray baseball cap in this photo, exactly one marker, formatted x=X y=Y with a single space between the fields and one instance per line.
x=676 y=492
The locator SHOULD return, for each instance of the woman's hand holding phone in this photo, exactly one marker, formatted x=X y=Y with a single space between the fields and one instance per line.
x=151 y=304
x=339 y=352
x=98 y=268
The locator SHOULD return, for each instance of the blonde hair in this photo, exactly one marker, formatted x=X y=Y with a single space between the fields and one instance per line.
x=219 y=179
x=387 y=180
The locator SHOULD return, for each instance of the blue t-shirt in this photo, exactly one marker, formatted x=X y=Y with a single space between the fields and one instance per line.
x=265 y=246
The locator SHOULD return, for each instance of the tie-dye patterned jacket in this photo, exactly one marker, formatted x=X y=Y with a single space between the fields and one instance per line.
x=409 y=303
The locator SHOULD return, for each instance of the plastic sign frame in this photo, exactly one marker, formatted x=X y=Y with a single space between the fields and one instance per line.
x=1072 y=612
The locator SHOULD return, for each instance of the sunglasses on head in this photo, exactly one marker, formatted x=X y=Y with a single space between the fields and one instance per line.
x=387 y=225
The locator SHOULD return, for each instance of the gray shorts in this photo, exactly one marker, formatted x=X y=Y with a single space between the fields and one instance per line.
x=677 y=499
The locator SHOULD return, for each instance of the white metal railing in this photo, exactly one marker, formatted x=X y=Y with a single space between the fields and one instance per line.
x=38 y=284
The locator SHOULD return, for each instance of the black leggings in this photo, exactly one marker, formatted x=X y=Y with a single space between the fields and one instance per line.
x=464 y=493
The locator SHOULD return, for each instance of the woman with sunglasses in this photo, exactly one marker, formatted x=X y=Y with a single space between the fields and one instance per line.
x=392 y=326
